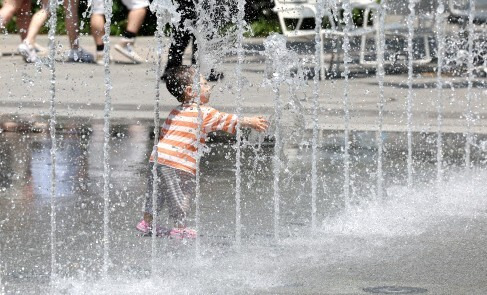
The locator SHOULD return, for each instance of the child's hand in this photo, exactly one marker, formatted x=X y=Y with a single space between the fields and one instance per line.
x=258 y=123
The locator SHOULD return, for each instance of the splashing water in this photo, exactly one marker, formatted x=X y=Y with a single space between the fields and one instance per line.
x=280 y=62
x=396 y=212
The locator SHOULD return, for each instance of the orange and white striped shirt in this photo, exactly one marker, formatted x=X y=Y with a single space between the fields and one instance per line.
x=177 y=145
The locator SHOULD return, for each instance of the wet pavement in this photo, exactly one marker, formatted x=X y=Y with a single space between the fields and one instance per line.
x=429 y=237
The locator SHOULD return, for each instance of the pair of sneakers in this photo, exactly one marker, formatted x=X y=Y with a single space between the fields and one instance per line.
x=29 y=53
x=174 y=233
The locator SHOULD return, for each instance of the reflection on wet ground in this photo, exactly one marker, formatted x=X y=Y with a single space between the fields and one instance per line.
x=25 y=207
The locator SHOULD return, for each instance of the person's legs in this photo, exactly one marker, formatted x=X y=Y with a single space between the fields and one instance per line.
x=97 y=24
x=181 y=189
x=23 y=18
x=26 y=48
x=76 y=54
x=145 y=225
x=9 y=8
x=72 y=22
x=38 y=20
x=181 y=186
x=135 y=19
x=181 y=36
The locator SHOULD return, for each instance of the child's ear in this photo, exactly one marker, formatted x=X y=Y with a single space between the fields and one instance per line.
x=188 y=91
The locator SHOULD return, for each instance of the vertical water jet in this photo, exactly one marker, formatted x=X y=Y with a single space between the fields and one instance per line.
x=52 y=130
x=238 y=102
x=470 y=77
x=380 y=80
x=316 y=95
x=409 y=102
x=347 y=16
x=159 y=49
x=106 y=139
x=198 y=33
x=440 y=39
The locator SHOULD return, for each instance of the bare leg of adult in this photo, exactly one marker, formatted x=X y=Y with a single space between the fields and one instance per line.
x=8 y=10
x=135 y=19
x=97 y=24
x=26 y=48
x=134 y=22
x=72 y=22
x=76 y=54
x=23 y=18
x=38 y=20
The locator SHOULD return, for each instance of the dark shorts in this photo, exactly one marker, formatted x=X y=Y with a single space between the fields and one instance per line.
x=174 y=186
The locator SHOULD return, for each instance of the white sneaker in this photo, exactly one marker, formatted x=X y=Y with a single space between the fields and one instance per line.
x=99 y=58
x=28 y=52
x=80 y=55
x=126 y=47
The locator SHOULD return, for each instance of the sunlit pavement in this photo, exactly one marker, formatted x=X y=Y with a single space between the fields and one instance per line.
x=80 y=91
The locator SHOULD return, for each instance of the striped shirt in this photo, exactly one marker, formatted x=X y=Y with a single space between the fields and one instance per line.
x=177 y=145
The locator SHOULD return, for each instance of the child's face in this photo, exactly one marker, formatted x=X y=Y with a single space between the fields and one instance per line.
x=205 y=91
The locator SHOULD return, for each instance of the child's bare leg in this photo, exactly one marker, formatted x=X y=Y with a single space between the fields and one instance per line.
x=148 y=217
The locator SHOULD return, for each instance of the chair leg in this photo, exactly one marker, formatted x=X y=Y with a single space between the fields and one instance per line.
x=363 y=41
x=335 y=57
x=322 y=59
x=283 y=24
x=427 y=52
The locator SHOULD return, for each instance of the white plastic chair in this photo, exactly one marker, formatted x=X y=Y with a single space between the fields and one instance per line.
x=295 y=9
x=395 y=24
x=460 y=8
x=301 y=9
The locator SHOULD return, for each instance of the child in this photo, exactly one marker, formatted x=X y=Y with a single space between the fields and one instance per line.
x=177 y=149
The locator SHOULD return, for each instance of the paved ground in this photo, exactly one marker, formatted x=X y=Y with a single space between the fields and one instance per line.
x=431 y=238
x=24 y=91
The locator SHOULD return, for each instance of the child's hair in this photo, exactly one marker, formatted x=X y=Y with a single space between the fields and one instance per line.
x=178 y=79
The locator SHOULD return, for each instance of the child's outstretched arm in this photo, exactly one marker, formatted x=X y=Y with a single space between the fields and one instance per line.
x=258 y=123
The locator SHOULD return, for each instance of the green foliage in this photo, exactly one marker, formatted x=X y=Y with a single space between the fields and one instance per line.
x=258 y=13
x=263 y=28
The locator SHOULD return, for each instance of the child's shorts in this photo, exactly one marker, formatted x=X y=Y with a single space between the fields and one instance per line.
x=175 y=186
x=98 y=6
